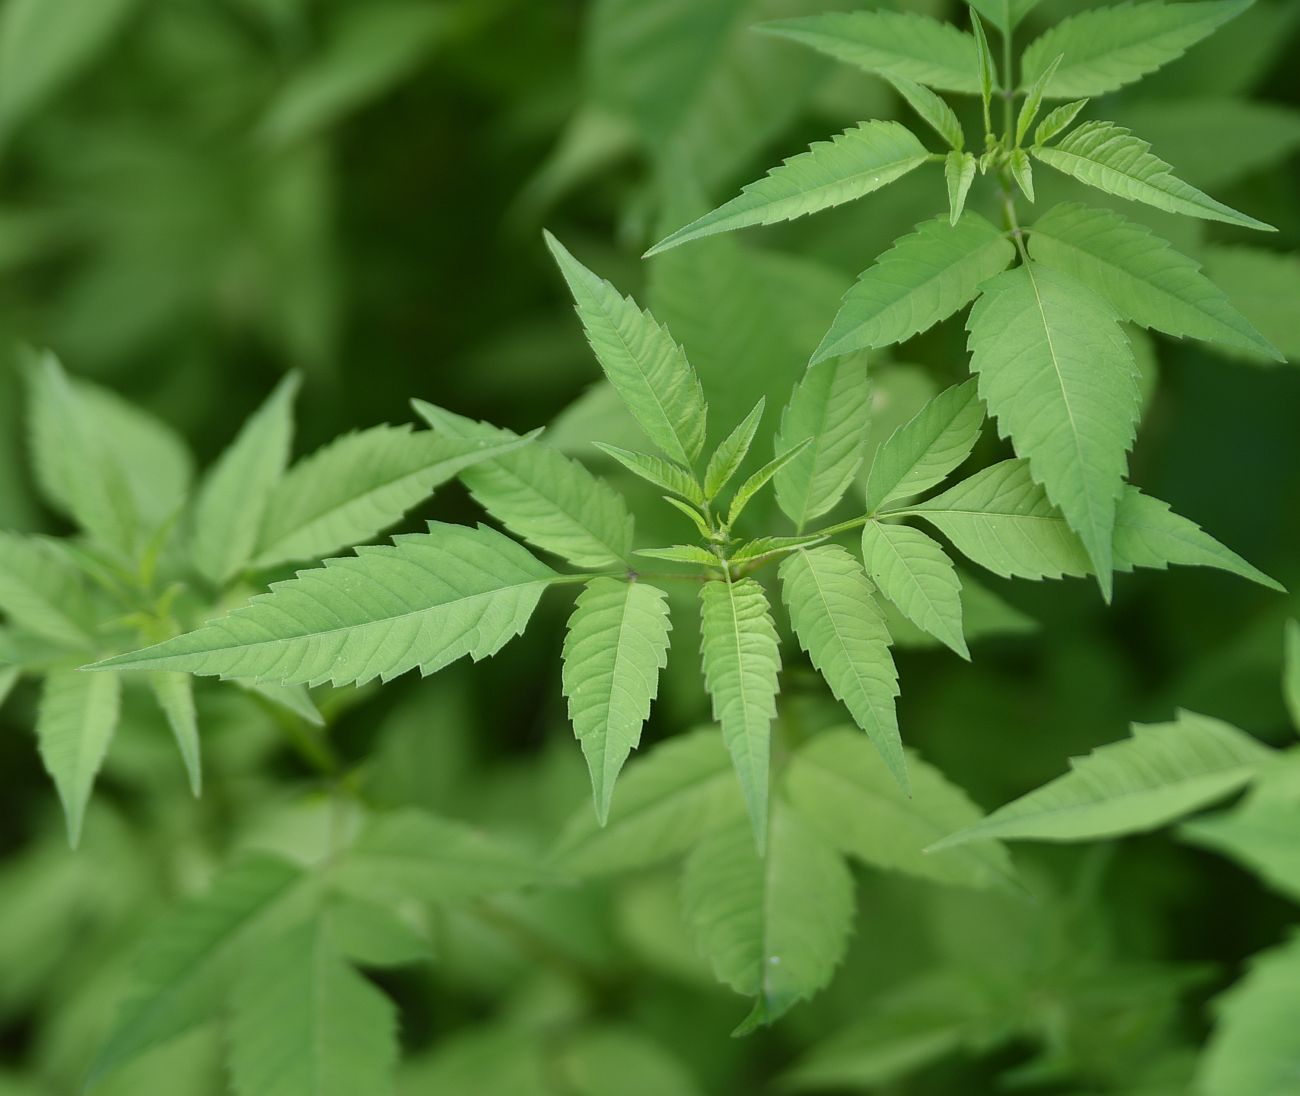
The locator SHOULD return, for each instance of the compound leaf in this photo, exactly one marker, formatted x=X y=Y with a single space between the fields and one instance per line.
x=912 y=571
x=75 y=722
x=924 y=278
x=838 y=623
x=617 y=643
x=830 y=173
x=425 y=601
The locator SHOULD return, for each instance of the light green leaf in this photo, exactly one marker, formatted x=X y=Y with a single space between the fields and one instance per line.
x=662 y=473
x=8 y=679
x=924 y=278
x=912 y=571
x=988 y=68
x=843 y=790
x=889 y=43
x=1106 y=48
x=959 y=173
x=1058 y=120
x=425 y=601
x=683 y=553
x=640 y=359
x=1142 y=276
x=1255 y=1045
x=42 y=593
x=761 y=547
x=358 y=485
x=1004 y=14
x=175 y=695
x=1023 y=172
x=830 y=406
x=1291 y=671
x=373 y=935
x=679 y=791
x=413 y=856
x=692 y=514
x=304 y=1023
x=598 y=1061
x=983 y=614
x=1002 y=520
x=755 y=483
x=1166 y=770
x=1265 y=286
x=43 y=44
x=741 y=657
x=926 y=448
x=616 y=644
x=74 y=725
x=541 y=495
x=191 y=959
x=731 y=453
x=1110 y=158
x=292 y=698
x=774 y=927
x=233 y=498
x=830 y=173
x=837 y=622
x=1056 y=370
x=933 y=111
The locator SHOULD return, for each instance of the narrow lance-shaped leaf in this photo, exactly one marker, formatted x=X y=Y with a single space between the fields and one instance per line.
x=641 y=360
x=1055 y=368
x=352 y=489
x=74 y=725
x=1058 y=120
x=1004 y=14
x=834 y=614
x=830 y=173
x=924 y=278
x=731 y=453
x=540 y=495
x=912 y=571
x=933 y=111
x=1022 y=171
x=741 y=657
x=305 y=1023
x=1166 y=770
x=1109 y=47
x=755 y=483
x=1142 y=276
x=773 y=927
x=959 y=174
x=175 y=695
x=1111 y=159
x=617 y=643
x=988 y=68
x=233 y=498
x=892 y=44
x=662 y=473
x=831 y=406
x=926 y=448
x=1033 y=102
x=425 y=601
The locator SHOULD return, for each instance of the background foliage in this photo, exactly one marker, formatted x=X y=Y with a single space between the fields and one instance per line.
x=198 y=197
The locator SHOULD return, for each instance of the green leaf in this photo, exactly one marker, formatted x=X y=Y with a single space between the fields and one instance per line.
x=983 y=614
x=352 y=489
x=924 y=278
x=843 y=790
x=731 y=453
x=1004 y=14
x=662 y=473
x=933 y=111
x=1023 y=172
x=1058 y=120
x=425 y=601
x=1056 y=370
x=175 y=695
x=831 y=408
x=837 y=622
x=413 y=856
x=640 y=359
x=617 y=643
x=372 y=935
x=540 y=495
x=1106 y=48
x=42 y=592
x=1002 y=520
x=192 y=957
x=1166 y=770
x=1291 y=671
x=988 y=68
x=830 y=173
x=1141 y=275
x=304 y=1023
x=755 y=483
x=1265 y=286
x=683 y=553
x=692 y=515
x=233 y=498
x=741 y=658
x=8 y=679
x=888 y=43
x=680 y=790
x=958 y=173
x=925 y=449
x=74 y=724
x=762 y=547
x=292 y=698
x=1110 y=158
x=774 y=927
x=1255 y=1044
x=597 y=1061
x=912 y=571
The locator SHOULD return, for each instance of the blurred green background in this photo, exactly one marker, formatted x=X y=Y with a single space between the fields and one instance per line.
x=197 y=196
